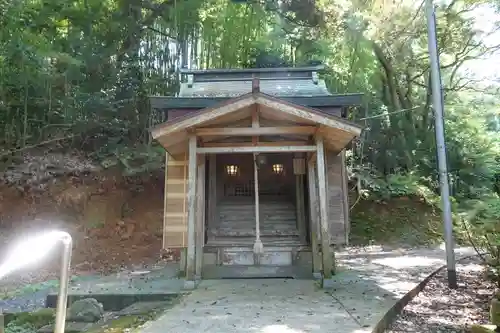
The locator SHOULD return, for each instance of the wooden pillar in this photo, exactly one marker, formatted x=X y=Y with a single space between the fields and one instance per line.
x=200 y=215
x=212 y=190
x=258 y=247
x=299 y=198
x=328 y=260
x=164 y=245
x=299 y=169
x=345 y=197
x=314 y=217
x=191 y=216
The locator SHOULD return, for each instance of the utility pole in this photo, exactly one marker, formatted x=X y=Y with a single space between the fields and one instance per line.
x=438 y=101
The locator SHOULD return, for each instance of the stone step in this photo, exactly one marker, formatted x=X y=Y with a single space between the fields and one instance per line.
x=117 y=300
x=140 y=308
x=135 y=309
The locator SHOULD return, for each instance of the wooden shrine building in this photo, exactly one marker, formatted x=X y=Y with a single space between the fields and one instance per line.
x=255 y=177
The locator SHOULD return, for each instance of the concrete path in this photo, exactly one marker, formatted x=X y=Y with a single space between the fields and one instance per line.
x=368 y=284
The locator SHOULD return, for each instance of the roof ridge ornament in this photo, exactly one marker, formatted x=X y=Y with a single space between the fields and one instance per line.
x=315 y=77
x=255 y=84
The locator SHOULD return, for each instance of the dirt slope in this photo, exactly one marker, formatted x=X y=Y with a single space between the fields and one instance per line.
x=116 y=221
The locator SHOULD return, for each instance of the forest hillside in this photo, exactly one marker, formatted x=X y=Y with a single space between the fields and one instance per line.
x=75 y=77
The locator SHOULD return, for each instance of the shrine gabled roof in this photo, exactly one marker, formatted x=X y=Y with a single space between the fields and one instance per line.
x=278 y=88
x=279 y=82
x=337 y=131
x=297 y=85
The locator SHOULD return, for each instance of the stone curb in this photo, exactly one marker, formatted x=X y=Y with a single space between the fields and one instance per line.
x=396 y=309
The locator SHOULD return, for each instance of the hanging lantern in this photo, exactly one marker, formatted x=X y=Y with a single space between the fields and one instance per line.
x=278 y=169
x=232 y=170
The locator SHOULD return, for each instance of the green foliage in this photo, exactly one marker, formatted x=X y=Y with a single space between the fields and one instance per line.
x=398 y=221
x=20 y=328
x=78 y=74
x=28 y=322
x=481 y=221
x=133 y=160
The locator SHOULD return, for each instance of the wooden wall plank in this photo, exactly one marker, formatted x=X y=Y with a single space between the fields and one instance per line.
x=165 y=191
x=175 y=219
x=345 y=196
x=335 y=199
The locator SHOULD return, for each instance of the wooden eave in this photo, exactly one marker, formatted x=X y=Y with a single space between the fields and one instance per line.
x=341 y=100
x=227 y=120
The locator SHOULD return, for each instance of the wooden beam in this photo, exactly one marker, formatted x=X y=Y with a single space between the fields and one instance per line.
x=253 y=131
x=176 y=181
x=255 y=122
x=191 y=199
x=203 y=116
x=311 y=157
x=314 y=216
x=200 y=216
x=166 y=102
x=314 y=116
x=176 y=163
x=208 y=74
x=258 y=144
x=328 y=260
x=279 y=149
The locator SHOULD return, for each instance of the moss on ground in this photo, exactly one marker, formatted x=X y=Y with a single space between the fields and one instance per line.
x=398 y=221
x=29 y=289
x=119 y=325
x=36 y=319
x=125 y=323
x=35 y=287
x=130 y=322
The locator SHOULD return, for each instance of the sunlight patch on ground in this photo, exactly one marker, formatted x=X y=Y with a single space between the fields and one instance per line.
x=279 y=329
x=287 y=329
x=407 y=261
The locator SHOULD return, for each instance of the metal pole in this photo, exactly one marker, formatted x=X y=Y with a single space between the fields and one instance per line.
x=437 y=101
x=2 y=322
x=62 y=299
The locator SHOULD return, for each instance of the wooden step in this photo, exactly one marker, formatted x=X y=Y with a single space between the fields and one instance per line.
x=267 y=240
x=244 y=233
x=251 y=272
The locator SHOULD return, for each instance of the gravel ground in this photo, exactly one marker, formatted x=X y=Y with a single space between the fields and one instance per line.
x=438 y=309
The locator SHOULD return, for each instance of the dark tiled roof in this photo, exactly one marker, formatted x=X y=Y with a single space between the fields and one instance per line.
x=277 y=87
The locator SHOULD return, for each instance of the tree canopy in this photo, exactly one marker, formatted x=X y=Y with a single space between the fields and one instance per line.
x=79 y=72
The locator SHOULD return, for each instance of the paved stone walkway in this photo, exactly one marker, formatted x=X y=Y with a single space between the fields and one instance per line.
x=368 y=284
x=255 y=306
